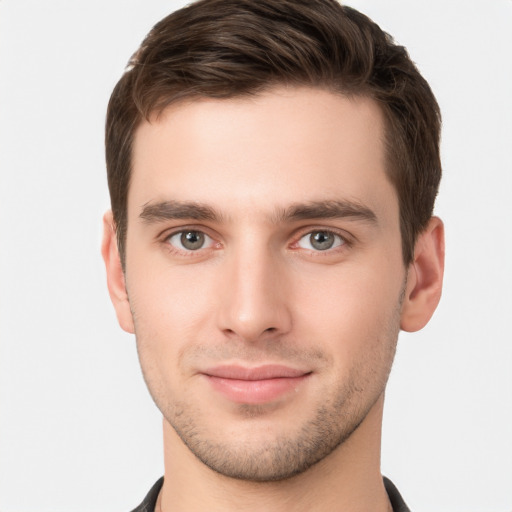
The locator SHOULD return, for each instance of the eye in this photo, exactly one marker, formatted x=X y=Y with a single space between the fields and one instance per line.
x=190 y=240
x=320 y=240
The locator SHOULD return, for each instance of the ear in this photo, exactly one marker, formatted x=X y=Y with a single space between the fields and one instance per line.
x=115 y=275
x=424 y=278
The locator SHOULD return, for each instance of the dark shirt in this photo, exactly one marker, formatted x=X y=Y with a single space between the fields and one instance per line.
x=148 y=505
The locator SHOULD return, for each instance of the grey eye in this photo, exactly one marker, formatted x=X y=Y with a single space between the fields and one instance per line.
x=190 y=240
x=320 y=241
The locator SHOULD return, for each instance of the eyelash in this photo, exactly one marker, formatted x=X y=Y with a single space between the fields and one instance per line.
x=345 y=242
x=184 y=252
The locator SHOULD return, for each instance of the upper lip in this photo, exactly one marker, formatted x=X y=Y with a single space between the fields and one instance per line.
x=264 y=372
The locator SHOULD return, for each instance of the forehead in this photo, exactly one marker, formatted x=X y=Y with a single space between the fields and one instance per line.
x=252 y=154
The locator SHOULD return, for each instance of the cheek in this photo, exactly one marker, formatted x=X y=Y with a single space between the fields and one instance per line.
x=350 y=310
x=166 y=316
x=172 y=297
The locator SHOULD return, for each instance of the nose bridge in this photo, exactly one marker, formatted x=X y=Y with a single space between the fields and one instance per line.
x=253 y=300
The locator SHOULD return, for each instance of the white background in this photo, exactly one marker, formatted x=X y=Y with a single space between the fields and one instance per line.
x=78 y=431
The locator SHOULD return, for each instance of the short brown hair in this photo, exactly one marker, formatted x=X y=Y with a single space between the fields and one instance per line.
x=229 y=48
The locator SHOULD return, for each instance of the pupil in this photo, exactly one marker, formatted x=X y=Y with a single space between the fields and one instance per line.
x=322 y=240
x=192 y=240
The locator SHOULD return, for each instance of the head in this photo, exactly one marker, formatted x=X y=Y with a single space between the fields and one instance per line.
x=229 y=49
x=272 y=167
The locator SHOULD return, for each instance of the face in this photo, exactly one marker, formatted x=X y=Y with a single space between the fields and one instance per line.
x=264 y=274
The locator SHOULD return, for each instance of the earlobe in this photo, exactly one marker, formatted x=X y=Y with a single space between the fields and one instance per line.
x=115 y=275
x=424 y=278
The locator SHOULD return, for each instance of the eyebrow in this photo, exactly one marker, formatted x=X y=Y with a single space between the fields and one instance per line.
x=329 y=209
x=169 y=210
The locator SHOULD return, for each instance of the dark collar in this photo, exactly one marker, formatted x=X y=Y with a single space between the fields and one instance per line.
x=148 y=505
x=396 y=500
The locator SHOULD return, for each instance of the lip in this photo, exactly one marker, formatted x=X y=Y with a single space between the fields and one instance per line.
x=257 y=385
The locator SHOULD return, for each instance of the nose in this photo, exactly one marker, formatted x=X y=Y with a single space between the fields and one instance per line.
x=253 y=295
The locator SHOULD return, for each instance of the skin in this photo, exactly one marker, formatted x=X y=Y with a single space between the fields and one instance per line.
x=251 y=176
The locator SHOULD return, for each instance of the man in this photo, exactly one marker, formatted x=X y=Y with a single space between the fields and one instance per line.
x=273 y=167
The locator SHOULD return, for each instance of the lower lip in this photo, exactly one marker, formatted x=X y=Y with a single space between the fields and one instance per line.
x=255 y=391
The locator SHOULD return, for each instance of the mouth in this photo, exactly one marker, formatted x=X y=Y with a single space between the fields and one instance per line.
x=258 y=385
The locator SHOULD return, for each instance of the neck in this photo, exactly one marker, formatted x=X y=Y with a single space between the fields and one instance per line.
x=347 y=479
